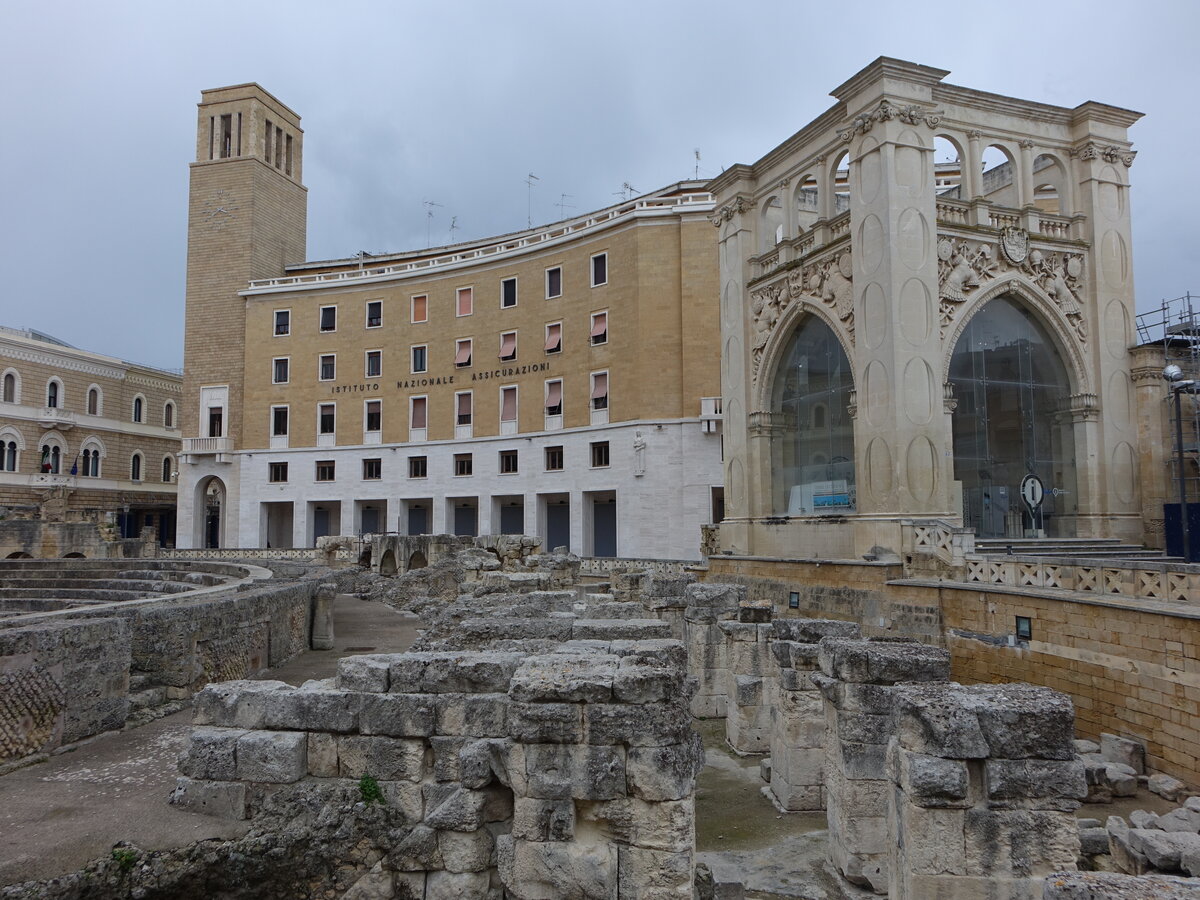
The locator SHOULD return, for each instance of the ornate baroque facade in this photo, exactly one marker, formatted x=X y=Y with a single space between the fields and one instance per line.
x=898 y=345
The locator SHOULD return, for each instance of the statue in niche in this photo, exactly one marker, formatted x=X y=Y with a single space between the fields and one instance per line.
x=766 y=306
x=639 y=454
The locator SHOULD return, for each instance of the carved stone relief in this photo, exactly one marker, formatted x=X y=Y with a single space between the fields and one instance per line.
x=829 y=280
x=1109 y=153
x=912 y=114
x=964 y=266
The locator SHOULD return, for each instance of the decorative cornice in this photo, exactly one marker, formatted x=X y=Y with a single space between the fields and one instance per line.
x=739 y=204
x=1110 y=153
x=910 y=114
x=1083 y=407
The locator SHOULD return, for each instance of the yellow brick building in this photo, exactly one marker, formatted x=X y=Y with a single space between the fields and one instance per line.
x=560 y=381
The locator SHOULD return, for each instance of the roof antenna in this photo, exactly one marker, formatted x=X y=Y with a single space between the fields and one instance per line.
x=529 y=199
x=563 y=205
x=429 y=205
x=626 y=190
x=696 y=176
x=453 y=227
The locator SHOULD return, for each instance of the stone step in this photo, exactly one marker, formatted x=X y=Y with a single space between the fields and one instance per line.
x=149 y=697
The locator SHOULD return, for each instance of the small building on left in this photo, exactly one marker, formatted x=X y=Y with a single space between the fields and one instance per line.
x=88 y=449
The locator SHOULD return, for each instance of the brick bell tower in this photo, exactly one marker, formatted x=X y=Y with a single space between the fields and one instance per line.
x=247 y=219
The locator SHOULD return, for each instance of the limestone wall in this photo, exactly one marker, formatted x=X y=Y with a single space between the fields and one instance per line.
x=569 y=773
x=61 y=682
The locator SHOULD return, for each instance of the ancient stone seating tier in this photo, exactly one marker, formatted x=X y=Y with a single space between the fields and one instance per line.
x=569 y=773
x=858 y=681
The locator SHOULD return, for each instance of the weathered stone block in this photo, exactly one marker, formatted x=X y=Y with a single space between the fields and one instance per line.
x=211 y=754
x=394 y=759
x=586 y=772
x=645 y=725
x=417 y=851
x=483 y=672
x=565 y=677
x=1114 y=886
x=322 y=755
x=1125 y=751
x=312 y=708
x=224 y=799
x=543 y=870
x=1034 y=780
x=810 y=631
x=669 y=826
x=461 y=809
x=1166 y=787
x=363 y=673
x=397 y=715
x=938 y=721
x=1022 y=843
x=275 y=757
x=664 y=773
x=637 y=682
x=655 y=874
x=466 y=851
x=1164 y=849
x=472 y=715
x=543 y=820
x=929 y=781
x=235 y=704
x=882 y=662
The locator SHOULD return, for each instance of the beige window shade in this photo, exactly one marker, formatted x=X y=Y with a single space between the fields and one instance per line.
x=508 y=345
x=599 y=385
x=419 y=412
x=599 y=324
x=508 y=404
x=554 y=394
x=553 y=337
x=463 y=355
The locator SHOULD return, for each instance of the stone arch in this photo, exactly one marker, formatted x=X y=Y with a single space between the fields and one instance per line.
x=19 y=554
x=999 y=180
x=781 y=334
x=92 y=453
x=417 y=560
x=1050 y=171
x=839 y=194
x=942 y=182
x=12 y=445
x=771 y=228
x=210 y=512
x=53 y=446
x=387 y=562
x=806 y=200
x=9 y=433
x=1065 y=341
x=74 y=554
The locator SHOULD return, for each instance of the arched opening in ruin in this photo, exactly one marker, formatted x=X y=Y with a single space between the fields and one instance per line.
x=812 y=453
x=999 y=178
x=387 y=563
x=75 y=554
x=209 y=507
x=1013 y=433
x=948 y=169
x=19 y=554
x=771 y=226
x=364 y=558
x=417 y=561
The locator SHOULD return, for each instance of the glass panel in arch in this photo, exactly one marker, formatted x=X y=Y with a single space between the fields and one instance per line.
x=1012 y=420
x=812 y=444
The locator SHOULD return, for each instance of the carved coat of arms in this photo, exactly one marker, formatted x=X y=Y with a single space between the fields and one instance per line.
x=1015 y=244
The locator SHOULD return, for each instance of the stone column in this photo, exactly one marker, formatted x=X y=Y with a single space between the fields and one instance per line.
x=1155 y=440
x=798 y=713
x=984 y=783
x=322 y=617
x=707 y=658
x=751 y=680
x=857 y=680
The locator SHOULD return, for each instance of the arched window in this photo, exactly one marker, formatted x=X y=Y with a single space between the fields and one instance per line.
x=1012 y=392
x=167 y=468
x=169 y=415
x=813 y=466
x=135 y=467
x=93 y=401
x=53 y=394
x=138 y=408
x=10 y=387
x=51 y=459
x=999 y=179
x=91 y=463
x=8 y=456
x=772 y=224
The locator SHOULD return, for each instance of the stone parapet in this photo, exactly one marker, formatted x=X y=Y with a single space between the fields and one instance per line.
x=858 y=681
x=983 y=785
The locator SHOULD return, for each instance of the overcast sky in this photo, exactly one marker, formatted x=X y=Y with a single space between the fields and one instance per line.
x=458 y=102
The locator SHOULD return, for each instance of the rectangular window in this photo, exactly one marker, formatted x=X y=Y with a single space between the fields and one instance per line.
x=794 y=600
x=1024 y=628
x=216 y=421
x=325 y=422
x=599 y=332
x=372 y=469
x=279 y=421
x=279 y=372
x=418 y=467
x=420 y=358
x=463 y=406
x=554 y=282
x=599 y=269
x=462 y=463
x=508 y=403
x=508 y=293
x=327 y=367
x=277 y=473
x=374 y=363
x=374 y=415
x=464 y=301
x=287 y=154
x=462 y=353
x=554 y=337
x=283 y=322
x=554 y=459
x=420 y=409
x=508 y=462
x=599 y=454
x=329 y=318
x=508 y=346
x=374 y=313
x=420 y=309
x=325 y=470
x=554 y=398
x=599 y=390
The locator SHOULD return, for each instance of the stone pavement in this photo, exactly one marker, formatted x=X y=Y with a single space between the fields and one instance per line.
x=58 y=815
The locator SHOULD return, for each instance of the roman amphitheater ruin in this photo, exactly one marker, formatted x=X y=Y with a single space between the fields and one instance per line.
x=541 y=739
